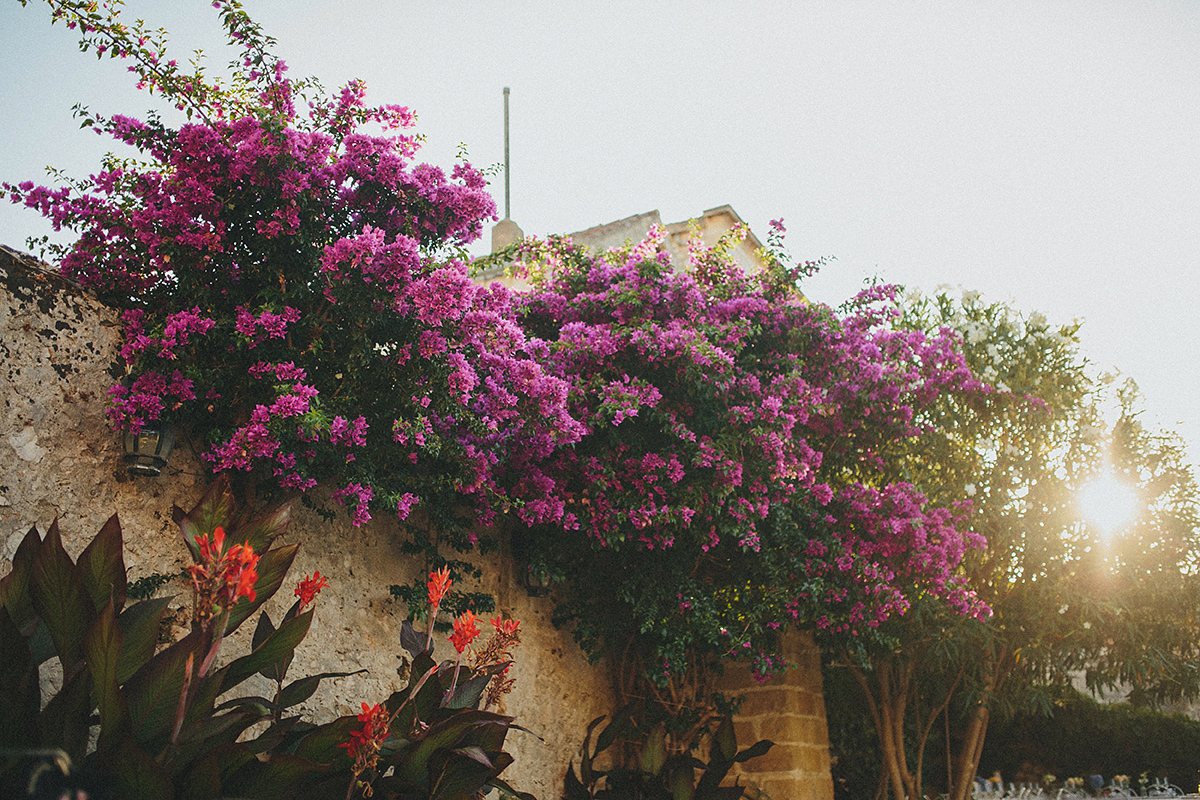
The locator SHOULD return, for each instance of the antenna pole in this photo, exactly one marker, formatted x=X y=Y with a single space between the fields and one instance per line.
x=507 y=215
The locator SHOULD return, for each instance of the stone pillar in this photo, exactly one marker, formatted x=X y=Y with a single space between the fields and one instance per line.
x=790 y=711
x=504 y=233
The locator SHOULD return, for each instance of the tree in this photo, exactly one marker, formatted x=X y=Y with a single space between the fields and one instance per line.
x=1064 y=602
x=294 y=290
x=727 y=483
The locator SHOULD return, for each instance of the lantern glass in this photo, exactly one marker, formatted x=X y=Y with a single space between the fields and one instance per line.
x=146 y=452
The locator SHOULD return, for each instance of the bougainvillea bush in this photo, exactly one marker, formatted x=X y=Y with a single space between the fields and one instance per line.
x=731 y=480
x=293 y=288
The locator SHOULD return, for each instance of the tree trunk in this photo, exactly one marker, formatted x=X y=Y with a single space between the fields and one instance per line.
x=970 y=753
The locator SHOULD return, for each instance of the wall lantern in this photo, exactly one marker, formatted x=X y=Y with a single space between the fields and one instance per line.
x=146 y=453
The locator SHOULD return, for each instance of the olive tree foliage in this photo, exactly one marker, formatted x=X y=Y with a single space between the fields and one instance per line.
x=1067 y=601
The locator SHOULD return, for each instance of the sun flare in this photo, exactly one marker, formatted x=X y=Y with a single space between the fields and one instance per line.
x=1108 y=504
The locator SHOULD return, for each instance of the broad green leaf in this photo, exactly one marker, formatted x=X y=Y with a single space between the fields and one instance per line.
x=273 y=567
x=468 y=692
x=725 y=740
x=139 y=776
x=441 y=735
x=20 y=693
x=61 y=600
x=282 y=642
x=64 y=720
x=214 y=510
x=102 y=565
x=683 y=785
x=153 y=691
x=754 y=751
x=321 y=744
x=301 y=689
x=619 y=727
x=654 y=751
x=458 y=776
x=15 y=586
x=261 y=531
x=203 y=780
x=278 y=777
x=103 y=651
x=140 y=624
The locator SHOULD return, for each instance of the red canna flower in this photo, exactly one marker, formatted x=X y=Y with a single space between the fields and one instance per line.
x=219 y=578
x=465 y=631
x=364 y=744
x=439 y=582
x=308 y=589
x=505 y=627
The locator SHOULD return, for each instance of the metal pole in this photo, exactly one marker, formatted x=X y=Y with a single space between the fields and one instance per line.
x=507 y=215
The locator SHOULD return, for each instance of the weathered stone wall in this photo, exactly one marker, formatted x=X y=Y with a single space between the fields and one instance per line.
x=58 y=458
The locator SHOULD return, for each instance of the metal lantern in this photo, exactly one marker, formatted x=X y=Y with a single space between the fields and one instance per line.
x=146 y=452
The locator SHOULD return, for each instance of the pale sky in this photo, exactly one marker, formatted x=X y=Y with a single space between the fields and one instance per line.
x=1042 y=152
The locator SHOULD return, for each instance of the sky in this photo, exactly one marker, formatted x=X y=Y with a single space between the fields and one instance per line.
x=1045 y=154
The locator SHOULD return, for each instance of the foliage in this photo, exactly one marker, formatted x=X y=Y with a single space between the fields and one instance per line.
x=1065 y=600
x=294 y=288
x=137 y=723
x=436 y=739
x=728 y=482
x=161 y=731
x=659 y=775
x=1085 y=737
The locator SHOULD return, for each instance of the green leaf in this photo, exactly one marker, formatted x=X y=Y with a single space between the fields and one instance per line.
x=754 y=751
x=683 y=783
x=215 y=509
x=725 y=739
x=60 y=599
x=279 y=776
x=140 y=624
x=441 y=735
x=277 y=669
x=102 y=565
x=273 y=567
x=468 y=693
x=301 y=689
x=321 y=744
x=261 y=531
x=459 y=776
x=139 y=776
x=15 y=592
x=654 y=751
x=20 y=692
x=282 y=642
x=103 y=651
x=153 y=691
x=64 y=720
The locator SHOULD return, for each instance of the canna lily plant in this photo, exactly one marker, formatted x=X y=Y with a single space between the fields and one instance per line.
x=133 y=721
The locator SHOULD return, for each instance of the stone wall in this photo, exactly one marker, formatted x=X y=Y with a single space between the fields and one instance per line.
x=58 y=458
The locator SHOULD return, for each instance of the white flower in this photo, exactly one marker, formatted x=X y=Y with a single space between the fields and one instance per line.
x=1036 y=320
x=970 y=296
x=1001 y=386
x=969 y=489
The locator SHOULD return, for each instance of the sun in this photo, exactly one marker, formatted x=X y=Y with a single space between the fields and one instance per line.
x=1108 y=504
